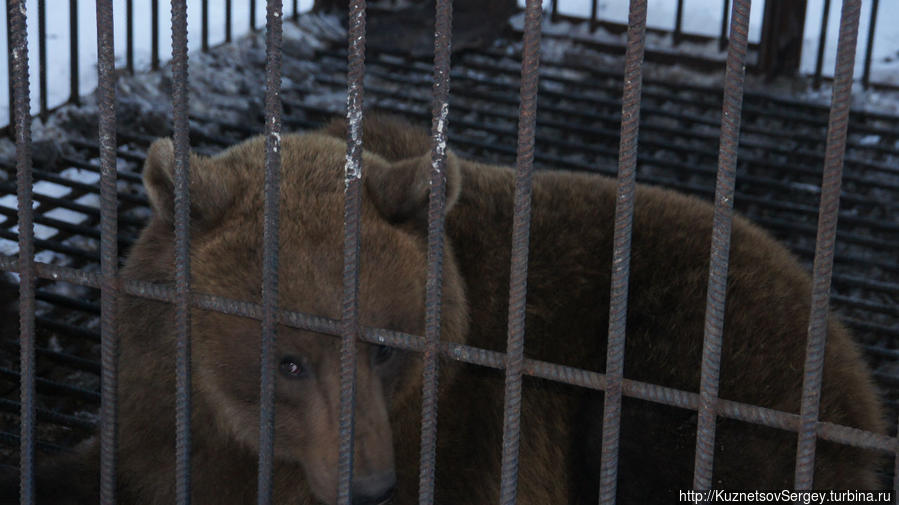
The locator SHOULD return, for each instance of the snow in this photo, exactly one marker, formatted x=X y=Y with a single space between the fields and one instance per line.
x=700 y=17
x=58 y=35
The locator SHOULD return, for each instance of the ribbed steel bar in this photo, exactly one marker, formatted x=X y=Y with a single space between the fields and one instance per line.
x=154 y=34
x=11 y=129
x=349 y=325
x=521 y=222
x=227 y=20
x=678 y=22
x=42 y=57
x=869 y=46
x=204 y=25
x=21 y=118
x=252 y=15
x=109 y=255
x=838 y=124
x=129 y=36
x=721 y=232
x=74 y=93
x=473 y=355
x=722 y=39
x=822 y=42
x=270 y=242
x=621 y=252
x=443 y=31
x=181 y=132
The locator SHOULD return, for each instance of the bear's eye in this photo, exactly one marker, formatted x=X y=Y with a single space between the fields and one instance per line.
x=291 y=367
x=383 y=354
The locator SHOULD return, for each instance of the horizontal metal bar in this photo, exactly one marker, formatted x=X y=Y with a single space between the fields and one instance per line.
x=472 y=355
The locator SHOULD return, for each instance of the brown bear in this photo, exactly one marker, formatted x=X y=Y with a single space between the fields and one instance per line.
x=768 y=296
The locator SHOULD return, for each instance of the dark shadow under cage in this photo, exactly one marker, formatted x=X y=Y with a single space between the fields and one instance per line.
x=783 y=145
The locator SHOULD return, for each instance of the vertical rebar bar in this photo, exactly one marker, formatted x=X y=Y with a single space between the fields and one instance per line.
x=869 y=47
x=296 y=10
x=678 y=22
x=10 y=72
x=109 y=255
x=443 y=30
x=74 y=92
x=252 y=16
x=181 y=132
x=270 y=247
x=722 y=39
x=621 y=252
x=554 y=8
x=349 y=324
x=154 y=34
x=21 y=117
x=227 y=20
x=42 y=57
x=204 y=25
x=822 y=43
x=594 y=14
x=129 y=36
x=837 y=126
x=521 y=222
x=720 y=250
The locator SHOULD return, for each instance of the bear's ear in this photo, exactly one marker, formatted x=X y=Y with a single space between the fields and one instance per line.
x=210 y=193
x=400 y=190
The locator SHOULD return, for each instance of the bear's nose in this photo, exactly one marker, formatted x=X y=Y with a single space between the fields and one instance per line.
x=374 y=489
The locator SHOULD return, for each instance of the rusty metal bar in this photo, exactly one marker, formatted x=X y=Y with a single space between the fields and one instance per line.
x=270 y=242
x=678 y=23
x=204 y=25
x=521 y=221
x=74 y=93
x=42 y=57
x=822 y=43
x=21 y=117
x=869 y=47
x=154 y=34
x=129 y=36
x=10 y=72
x=722 y=39
x=838 y=124
x=721 y=232
x=443 y=31
x=109 y=255
x=472 y=355
x=181 y=132
x=227 y=20
x=349 y=325
x=621 y=254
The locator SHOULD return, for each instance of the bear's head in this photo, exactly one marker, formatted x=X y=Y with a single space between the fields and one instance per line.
x=226 y=222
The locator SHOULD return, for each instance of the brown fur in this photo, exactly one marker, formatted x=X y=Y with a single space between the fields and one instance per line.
x=567 y=319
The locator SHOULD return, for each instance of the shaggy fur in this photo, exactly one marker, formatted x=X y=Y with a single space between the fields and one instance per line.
x=569 y=272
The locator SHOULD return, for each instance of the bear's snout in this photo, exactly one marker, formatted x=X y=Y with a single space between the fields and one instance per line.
x=374 y=489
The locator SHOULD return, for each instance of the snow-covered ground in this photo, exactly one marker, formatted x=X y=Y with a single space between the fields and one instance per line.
x=58 y=40
x=701 y=17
